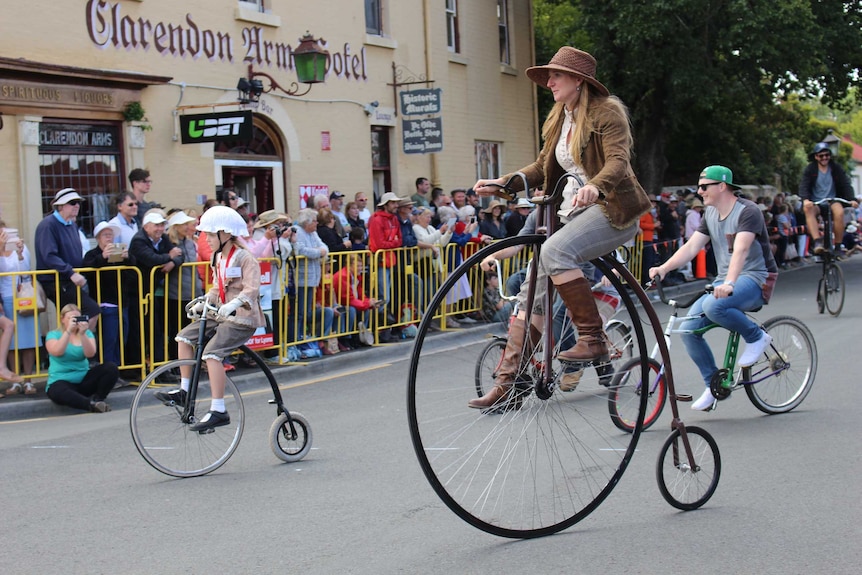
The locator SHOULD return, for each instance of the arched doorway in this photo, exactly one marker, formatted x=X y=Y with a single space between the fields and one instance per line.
x=254 y=168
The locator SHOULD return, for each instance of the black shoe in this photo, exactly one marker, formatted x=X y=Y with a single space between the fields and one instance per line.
x=210 y=421
x=172 y=396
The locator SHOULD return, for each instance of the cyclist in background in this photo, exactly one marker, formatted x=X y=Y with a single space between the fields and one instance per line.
x=746 y=273
x=824 y=179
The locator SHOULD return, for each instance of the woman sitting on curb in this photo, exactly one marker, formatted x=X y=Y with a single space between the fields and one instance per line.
x=71 y=380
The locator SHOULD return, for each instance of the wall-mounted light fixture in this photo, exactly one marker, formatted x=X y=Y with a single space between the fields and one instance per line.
x=309 y=61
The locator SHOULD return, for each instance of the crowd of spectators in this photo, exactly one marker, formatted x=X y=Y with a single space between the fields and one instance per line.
x=328 y=251
x=675 y=216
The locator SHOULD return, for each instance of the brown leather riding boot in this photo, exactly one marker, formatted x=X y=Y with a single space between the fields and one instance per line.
x=510 y=364
x=579 y=300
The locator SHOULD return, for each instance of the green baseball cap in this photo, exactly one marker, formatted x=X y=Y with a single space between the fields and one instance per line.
x=719 y=174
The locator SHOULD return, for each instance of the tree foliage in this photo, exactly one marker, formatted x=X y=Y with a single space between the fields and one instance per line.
x=716 y=81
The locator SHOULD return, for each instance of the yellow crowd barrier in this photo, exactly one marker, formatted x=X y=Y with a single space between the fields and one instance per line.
x=298 y=311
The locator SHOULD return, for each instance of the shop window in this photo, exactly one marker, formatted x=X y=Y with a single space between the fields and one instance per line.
x=85 y=157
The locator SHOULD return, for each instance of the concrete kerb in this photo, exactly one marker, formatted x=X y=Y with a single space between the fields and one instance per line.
x=27 y=407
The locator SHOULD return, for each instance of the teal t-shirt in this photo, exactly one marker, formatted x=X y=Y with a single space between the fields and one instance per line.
x=72 y=366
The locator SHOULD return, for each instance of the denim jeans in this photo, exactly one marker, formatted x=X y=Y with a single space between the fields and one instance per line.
x=111 y=333
x=726 y=312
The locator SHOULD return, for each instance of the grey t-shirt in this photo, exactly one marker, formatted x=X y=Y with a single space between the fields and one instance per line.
x=824 y=187
x=744 y=217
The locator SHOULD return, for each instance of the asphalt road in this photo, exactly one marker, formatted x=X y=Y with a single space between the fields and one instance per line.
x=75 y=496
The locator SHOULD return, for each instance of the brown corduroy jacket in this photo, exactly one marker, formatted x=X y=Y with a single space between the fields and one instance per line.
x=606 y=162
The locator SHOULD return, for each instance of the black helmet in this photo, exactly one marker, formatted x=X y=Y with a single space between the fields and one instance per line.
x=821 y=146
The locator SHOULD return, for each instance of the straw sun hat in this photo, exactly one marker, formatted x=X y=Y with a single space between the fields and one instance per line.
x=571 y=60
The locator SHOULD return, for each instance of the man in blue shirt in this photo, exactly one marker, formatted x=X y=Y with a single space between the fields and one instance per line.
x=58 y=248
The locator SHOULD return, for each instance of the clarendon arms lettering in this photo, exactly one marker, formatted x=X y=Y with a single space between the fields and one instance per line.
x=108 y=27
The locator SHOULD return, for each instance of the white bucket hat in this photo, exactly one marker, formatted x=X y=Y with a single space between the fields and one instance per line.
x=102 y=226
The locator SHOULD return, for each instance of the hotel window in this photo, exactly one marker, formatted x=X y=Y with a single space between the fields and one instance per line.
x=256 y=5
x=380 y=161
x=503 y=30
x=453 y=40
x=374 y=17
x=487 y=160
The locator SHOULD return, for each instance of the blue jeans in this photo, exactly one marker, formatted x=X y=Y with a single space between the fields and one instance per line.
x=726 y=312
x=111 y=333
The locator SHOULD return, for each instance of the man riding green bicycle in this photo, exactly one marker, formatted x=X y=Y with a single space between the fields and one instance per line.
x=746 y=273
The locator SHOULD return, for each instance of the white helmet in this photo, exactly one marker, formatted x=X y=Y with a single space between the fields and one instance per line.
x=223 y=219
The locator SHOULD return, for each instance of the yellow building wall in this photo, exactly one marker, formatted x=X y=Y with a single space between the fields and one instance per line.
x=482 y=100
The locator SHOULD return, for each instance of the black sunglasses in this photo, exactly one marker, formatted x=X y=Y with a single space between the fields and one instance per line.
x=823 y=155
x=130 y=204
x=74 y=202
x=703 y=187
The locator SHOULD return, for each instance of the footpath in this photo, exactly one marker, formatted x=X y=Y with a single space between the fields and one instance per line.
x=18 y=407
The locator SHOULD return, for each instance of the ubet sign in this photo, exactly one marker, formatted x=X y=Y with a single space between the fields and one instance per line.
x=199 y=128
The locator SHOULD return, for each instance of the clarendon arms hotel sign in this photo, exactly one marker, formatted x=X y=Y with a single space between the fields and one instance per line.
x=109 y=27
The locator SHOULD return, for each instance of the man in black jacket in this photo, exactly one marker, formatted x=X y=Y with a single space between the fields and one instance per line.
x=156 y=256
x=824 y=179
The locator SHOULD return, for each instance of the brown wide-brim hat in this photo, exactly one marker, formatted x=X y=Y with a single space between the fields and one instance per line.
x=572 y=61
x=492 y=205
x=270 y=217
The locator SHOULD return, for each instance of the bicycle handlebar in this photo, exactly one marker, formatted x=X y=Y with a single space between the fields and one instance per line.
x=708 y=288
x=190 y=313
x=825 y=201
x=505 y=190
x=500 y=284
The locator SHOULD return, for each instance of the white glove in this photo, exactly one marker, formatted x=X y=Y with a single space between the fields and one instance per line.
x=197 y=310
x=227 y=309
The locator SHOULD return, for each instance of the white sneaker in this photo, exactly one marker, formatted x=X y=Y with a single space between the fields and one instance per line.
x=704 y=402
x=754 y=350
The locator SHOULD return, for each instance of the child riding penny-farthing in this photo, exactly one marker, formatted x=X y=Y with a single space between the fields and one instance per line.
x=167 y=425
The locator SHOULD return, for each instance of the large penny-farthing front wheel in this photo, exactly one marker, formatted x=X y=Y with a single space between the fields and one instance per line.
x=530 y=467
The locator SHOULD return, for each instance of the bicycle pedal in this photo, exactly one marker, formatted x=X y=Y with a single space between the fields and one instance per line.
x=684 y=398
x=206 y=431
x=575 y=363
